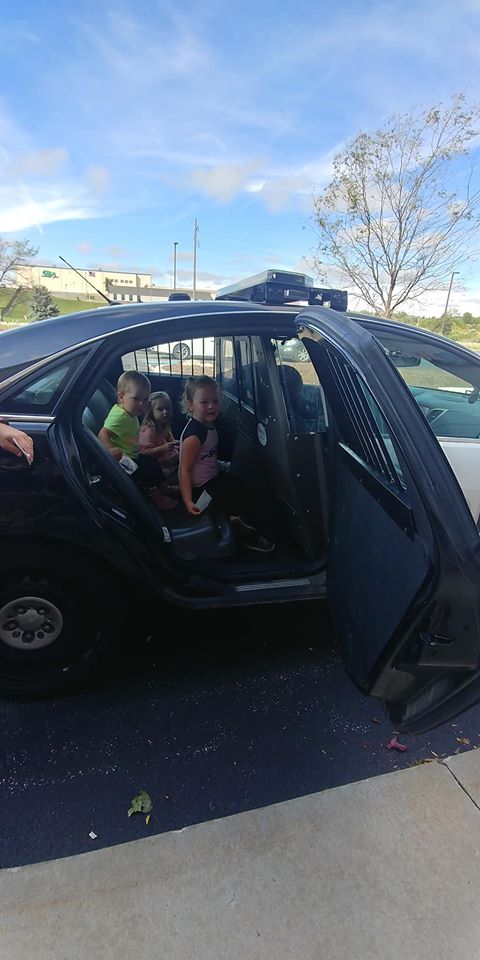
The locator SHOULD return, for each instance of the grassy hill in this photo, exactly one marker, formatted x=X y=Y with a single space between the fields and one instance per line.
x=20 y=311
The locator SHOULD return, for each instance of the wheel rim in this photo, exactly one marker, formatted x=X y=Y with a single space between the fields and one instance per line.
x=30 y=623
x=181 y=351
x=302 y=353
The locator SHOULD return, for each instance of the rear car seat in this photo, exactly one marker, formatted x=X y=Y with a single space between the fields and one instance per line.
x=210 y=536
x=99 y=405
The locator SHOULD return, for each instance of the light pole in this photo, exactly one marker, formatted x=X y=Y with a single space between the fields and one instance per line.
x=195 y=244
x=448 y=295
x=175 y=245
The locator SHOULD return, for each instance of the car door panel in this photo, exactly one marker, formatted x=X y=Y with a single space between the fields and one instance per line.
x=370 y=543
x=403 y=569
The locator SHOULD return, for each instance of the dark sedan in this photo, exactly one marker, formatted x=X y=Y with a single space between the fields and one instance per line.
x=342 y=438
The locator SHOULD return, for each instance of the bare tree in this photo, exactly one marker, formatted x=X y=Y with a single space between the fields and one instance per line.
x=402 y=208
x=14 y=254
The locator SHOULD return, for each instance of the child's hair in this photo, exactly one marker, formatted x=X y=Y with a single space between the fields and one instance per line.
x=132 y=378
x=149 y=419
x=192 y=385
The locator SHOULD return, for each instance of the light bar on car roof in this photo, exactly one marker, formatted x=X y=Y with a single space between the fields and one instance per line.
x=279 y=287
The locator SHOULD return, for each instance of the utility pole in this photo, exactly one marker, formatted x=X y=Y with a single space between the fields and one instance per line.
x=175 y=245
x=195 y=242
x=448 y=297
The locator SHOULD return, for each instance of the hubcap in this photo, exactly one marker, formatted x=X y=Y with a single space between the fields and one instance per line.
x=181 y=351
x=30 y=623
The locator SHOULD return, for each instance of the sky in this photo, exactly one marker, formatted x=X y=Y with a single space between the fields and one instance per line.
x=121 y=124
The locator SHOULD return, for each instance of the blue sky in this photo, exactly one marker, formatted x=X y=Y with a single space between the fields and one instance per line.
x=120 y=125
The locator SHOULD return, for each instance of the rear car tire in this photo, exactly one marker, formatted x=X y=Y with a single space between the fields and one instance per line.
x=53 y=627
x=181 y=351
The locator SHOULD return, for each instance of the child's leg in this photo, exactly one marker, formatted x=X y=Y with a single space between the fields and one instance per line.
x=149 y=470
x=236 y=501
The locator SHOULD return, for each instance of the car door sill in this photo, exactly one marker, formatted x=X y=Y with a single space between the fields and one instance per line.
x=273 y=585
x=300 y=588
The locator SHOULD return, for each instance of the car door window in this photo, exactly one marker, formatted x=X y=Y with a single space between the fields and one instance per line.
x=244 y=355
x=369 y=437
x=41 y=393
x=385 y=433
x=180 y=358
x=303 y=395
x=443 y=382
x=227 y=374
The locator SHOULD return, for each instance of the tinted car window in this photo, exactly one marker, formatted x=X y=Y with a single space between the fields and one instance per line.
x=361 y=427
x=41 y=393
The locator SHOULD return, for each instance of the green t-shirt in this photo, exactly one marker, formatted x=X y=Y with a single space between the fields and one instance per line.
x=125 y=430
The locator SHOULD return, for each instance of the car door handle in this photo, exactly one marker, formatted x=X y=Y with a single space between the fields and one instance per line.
x=95 y=478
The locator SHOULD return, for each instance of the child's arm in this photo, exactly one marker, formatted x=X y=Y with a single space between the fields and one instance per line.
x=190 y=447
x=147 y=445
x=153 y=451
x=169 y=451
x=105 y=436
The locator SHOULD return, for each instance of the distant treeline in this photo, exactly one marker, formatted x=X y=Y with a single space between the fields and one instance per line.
x=457 y=326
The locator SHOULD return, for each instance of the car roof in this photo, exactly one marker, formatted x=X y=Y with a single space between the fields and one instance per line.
x=33 y=342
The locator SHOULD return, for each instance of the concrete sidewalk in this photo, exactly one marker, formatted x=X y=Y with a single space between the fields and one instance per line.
x=386 y=868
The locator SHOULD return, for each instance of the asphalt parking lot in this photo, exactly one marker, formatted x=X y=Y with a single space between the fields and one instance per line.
x=250 y=709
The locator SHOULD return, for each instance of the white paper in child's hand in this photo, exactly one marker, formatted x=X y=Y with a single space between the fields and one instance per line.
x=203 y=501
x=128 y=464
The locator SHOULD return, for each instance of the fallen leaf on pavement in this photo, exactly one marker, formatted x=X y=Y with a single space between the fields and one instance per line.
x=464 y=740
x=142 y=803
x=376 y=720
x=395 y=745
x=92 y=835
x=147 y=819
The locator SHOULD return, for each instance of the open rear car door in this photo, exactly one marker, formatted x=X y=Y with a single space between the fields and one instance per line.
x=403 y=568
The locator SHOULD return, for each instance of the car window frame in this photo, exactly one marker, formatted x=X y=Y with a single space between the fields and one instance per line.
x=76 y=358
x=248 y=402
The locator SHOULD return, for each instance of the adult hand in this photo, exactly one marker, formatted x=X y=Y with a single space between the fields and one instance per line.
x=117 y=454
x=9 y=437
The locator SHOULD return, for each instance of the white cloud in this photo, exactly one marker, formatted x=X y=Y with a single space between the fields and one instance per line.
x=42 y=163
x=98 y=178
x=279 y=188
x=279 y=193
x=22 y=208
x=224 y=181
x=255 y=186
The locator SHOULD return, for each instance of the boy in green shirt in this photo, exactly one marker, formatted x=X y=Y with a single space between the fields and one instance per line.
x=121 y=429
